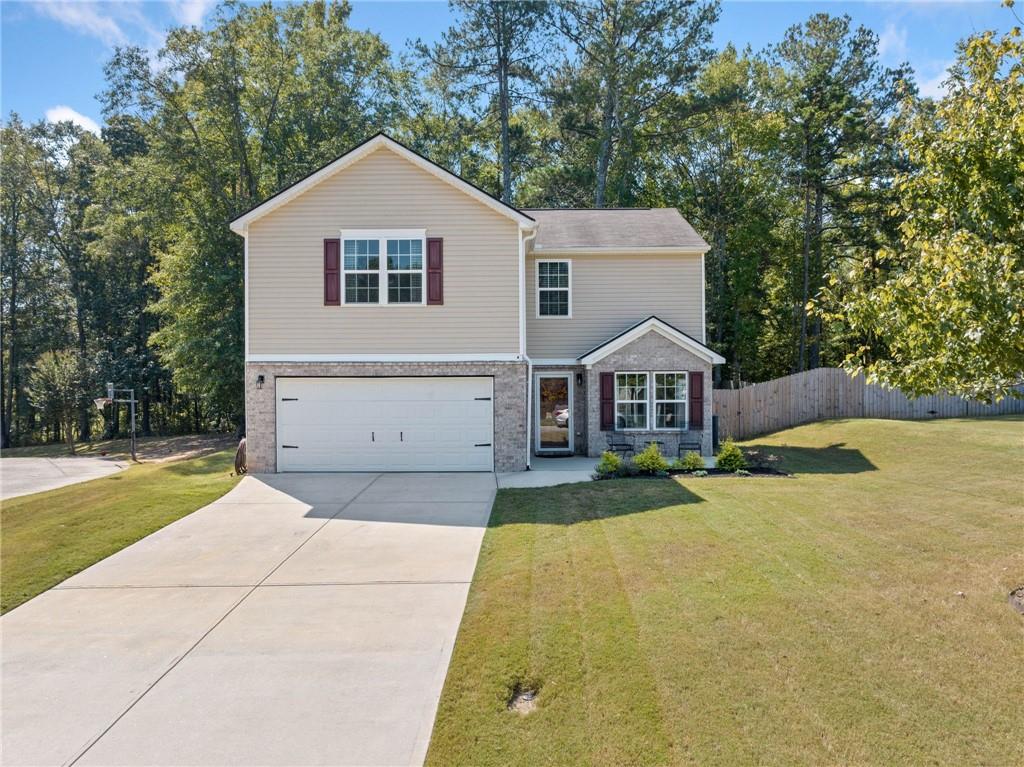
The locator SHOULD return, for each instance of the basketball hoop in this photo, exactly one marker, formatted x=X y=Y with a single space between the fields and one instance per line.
x=130 y=400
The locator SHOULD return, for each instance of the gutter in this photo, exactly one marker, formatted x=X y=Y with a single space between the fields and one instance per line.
x=522 y=342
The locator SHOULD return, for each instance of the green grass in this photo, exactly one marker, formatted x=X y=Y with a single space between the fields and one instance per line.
x=48 y=537
x=147 y=447
x=805 y=620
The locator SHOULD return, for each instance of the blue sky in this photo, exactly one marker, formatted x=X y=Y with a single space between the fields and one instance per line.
x=52 y=53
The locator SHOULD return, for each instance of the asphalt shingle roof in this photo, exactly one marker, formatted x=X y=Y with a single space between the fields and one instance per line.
x=603 y=228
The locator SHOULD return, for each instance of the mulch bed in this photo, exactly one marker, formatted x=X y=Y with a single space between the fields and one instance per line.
x=754 y=471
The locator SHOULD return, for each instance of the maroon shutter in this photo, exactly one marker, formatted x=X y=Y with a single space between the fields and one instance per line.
x=332 y=272
x=607 y=401
x=696 y=401
x=435 y=270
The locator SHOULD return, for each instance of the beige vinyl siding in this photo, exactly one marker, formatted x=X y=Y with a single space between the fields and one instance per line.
x=383 y=191
x=611 y=292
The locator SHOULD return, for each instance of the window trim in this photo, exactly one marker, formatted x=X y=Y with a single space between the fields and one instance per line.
x=655 y=401
x=646 y=400
x=382 y=236
x=536 y=286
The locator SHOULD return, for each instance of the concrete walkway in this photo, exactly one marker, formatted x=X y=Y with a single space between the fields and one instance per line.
x=23 y=476
x=545 y=472
x=301 y=619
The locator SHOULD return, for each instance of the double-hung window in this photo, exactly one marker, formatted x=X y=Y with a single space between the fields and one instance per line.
x=362 y=271
x=405 y=271
x=383 y=267
x=631 y=401
x=670 y=406
x=553 y=289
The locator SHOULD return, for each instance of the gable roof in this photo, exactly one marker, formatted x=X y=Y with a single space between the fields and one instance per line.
x=643 y=327
x=619 y=229
x=354 y=155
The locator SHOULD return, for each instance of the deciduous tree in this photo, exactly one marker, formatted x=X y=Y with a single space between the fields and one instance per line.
x=947 y=302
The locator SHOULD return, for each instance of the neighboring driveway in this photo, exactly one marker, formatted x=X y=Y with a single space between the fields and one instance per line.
x=23 y=476
x=301 y=619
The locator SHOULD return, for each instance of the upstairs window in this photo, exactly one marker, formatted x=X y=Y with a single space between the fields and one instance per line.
x=383 y=267
x=405 y=271
x=553 y=289
x=362 y=271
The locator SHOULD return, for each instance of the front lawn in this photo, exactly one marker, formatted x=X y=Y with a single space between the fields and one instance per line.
x=147 y=448
x=48 y=537
x=854 y=614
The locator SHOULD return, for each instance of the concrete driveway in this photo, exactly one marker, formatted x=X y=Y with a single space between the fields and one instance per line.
x=301 y=619
x=23 y=476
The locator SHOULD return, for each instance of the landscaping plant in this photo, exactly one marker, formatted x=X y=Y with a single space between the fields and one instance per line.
x=609 y=464
x=650 y=460
x=692 y=461
x=730 y=457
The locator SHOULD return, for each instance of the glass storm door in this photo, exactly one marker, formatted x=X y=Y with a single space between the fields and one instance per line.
x=554 y=413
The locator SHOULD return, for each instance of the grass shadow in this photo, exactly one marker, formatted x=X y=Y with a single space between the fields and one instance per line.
x=831 y=459
x=587 y=501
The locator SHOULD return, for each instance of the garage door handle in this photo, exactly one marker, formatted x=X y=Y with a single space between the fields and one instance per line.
x=401 y=436
x=482 y=444
x=289 y=399
x=482 y=399
x=293 y=447
x=373 y=437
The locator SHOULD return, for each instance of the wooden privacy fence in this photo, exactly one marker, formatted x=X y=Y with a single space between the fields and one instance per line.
x=815 y=395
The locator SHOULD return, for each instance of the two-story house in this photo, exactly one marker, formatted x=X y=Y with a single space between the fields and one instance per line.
x=397 y=318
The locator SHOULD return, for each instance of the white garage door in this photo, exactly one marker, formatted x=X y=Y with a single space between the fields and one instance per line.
x=385 y=424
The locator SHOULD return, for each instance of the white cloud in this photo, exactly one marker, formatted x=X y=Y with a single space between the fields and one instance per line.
x=62 y=112
x=892 y=43
x=934 y=87
x=87 y=17
x=113 y=23
x=191 y=12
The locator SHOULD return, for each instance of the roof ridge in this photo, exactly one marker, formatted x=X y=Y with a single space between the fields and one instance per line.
x=594 y=210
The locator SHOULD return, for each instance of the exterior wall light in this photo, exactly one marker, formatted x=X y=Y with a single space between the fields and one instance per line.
x=259 y=382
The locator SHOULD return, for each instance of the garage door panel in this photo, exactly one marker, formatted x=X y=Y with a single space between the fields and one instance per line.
x=385 y=424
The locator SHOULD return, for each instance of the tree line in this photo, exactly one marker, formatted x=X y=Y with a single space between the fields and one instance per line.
x=850 y=221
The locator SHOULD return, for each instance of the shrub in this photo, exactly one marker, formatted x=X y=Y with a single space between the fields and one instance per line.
x=628 y=469
x=692 y=461
x=650 y=460
x=730 y=457
x=609 y=464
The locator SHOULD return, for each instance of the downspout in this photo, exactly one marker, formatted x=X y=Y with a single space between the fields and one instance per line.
x=522 y=342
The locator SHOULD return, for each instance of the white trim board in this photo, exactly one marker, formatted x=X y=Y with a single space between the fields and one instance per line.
x=380 y=141
x=298 y=358
x=656 y=325
x=618 y=250
x=556 y=362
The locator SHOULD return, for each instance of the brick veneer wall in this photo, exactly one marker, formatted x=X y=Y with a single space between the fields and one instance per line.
x=509 y=402
x=651 y=352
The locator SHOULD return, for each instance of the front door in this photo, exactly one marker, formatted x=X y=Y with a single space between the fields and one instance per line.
x=554 y=413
